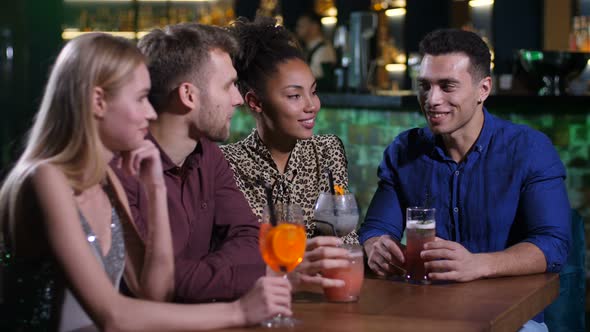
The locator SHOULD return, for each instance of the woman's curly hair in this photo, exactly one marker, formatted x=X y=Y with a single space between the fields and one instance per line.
x=263 y=45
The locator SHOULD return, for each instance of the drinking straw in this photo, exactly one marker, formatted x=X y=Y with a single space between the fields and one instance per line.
x=271 y=206
x=329 y=224
x=331 y=181
x=332 y=191
x=399 y=268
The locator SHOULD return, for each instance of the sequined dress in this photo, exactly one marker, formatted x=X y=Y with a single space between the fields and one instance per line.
x=35 y=299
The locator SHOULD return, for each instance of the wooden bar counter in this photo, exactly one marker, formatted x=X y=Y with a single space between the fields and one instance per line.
x=502 y=304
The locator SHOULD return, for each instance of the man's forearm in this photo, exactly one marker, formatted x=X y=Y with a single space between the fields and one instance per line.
x=207 y=281
x=224 y=274
x=520 y=259
x=157 y=277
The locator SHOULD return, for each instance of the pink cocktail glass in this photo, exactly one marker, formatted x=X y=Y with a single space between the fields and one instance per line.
x=353 y=277
x=420 y=229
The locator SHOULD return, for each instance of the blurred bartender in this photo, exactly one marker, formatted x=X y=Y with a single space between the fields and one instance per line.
x=319 y=51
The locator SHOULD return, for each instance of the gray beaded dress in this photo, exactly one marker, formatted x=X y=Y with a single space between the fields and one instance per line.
x=35 y=299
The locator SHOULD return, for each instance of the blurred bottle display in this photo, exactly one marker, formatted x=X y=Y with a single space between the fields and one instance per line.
x=580 y=34
x=270 y=8
x=133 y=18
x=391 y=61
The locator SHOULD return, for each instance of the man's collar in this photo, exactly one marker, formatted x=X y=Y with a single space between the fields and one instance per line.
x=481 y=143
x=485 y=136
x=167 y=163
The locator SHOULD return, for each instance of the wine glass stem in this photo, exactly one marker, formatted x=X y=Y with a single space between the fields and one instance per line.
x=284 y=271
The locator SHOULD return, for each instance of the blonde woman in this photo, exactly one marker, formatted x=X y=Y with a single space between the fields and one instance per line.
x=65 y=217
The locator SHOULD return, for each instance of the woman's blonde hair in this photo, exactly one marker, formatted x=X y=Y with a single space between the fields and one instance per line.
x=64 y=132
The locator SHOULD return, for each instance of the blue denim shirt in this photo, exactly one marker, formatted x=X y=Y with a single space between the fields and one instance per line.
x=509 y=189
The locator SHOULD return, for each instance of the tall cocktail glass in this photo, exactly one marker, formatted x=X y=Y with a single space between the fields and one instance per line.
x=282 y=246
x=420 y=229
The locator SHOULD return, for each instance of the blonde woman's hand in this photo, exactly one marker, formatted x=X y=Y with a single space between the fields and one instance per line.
x=145 y=163
x=269 y=296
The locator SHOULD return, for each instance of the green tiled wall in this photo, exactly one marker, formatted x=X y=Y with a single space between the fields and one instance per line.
x=366 y=133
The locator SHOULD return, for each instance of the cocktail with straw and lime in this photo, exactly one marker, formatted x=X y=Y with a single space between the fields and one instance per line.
x=336 y=212
x=282 y=244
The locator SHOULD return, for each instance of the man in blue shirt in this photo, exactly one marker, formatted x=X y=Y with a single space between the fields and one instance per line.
x=498 y=188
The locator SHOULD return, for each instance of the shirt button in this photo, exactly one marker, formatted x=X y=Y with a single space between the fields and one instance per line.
x=456 y=173
x=203 y=205
x=456 y=209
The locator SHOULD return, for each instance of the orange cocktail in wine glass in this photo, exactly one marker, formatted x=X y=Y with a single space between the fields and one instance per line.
x=282 y=246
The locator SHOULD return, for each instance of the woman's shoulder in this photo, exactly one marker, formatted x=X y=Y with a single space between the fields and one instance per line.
x=46 y=169
x=327 y=138
x=328 y=149
x=45 y=173
x=25 y=173
x=327 y=142
x=51 y=185
x=41 y=188
x=230 y=147
x=234 y=152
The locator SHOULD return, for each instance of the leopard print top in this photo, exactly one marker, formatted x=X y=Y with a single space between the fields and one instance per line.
x=301 y=183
